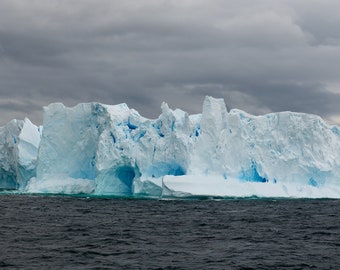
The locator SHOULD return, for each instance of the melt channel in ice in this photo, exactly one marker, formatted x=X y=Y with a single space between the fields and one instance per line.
x=102 y=149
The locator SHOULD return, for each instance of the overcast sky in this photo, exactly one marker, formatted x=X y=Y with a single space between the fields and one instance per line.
x=260 y=56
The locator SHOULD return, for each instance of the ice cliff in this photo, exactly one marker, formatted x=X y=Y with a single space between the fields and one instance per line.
x=112 y=150
x=19 y=142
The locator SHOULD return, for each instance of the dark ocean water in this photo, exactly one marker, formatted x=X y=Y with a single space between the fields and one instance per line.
x=56 y=232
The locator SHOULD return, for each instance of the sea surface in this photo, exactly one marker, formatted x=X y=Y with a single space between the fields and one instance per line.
x=61 y=232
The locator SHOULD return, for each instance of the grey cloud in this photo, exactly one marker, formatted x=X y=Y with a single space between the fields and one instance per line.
x=261 y=57
x=29 y=49
x=320 y=19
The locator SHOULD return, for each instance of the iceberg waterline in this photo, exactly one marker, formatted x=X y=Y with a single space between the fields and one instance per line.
x=100 y=149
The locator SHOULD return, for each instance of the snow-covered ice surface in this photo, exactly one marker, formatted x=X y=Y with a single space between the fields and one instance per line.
x=102 y=149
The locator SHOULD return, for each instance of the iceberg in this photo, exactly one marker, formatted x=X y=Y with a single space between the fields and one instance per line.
x=111 y=150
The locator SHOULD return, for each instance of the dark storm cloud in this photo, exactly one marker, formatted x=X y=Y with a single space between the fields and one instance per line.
x=261 y=57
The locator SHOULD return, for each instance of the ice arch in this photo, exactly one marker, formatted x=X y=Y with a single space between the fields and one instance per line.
x=126 y=174
x=117 y=181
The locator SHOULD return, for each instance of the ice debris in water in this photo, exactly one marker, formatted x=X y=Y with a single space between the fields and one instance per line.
x=102 y=149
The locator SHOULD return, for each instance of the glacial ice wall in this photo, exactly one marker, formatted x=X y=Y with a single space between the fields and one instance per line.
x=112 y=150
